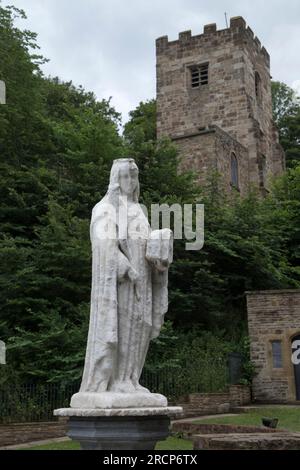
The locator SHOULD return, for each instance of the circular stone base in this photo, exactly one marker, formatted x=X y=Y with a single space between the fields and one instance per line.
x=119 y=428
x=118 y=432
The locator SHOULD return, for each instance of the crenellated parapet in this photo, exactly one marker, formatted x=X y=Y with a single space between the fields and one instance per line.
x=237 y=29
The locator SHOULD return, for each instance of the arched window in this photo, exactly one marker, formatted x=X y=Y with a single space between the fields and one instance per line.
x=234 y=171
x=257 y=86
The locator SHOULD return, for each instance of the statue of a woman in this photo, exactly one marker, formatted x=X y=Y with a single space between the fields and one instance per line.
x=129 y=290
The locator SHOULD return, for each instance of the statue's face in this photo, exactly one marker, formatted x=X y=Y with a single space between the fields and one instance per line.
x=128 y=179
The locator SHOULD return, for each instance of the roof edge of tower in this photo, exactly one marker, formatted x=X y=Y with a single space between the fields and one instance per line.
x=237 y=25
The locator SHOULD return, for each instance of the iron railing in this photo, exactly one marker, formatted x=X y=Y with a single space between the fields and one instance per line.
x=33 y=402
x=36 y=402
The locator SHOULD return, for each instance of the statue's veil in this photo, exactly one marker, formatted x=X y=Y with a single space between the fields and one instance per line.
x=113 y=191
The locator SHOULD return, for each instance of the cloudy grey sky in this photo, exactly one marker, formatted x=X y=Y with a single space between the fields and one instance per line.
x=108 y=46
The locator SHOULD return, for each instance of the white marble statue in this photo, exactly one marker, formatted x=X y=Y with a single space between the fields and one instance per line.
x=129 y=295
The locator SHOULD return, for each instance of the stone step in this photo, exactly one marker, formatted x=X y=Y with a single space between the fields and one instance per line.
x=188 y=428
x=190 y=414
x=253 y=441
x=192 y=410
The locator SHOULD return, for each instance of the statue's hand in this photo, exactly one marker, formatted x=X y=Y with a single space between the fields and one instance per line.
x=126 y=271
x=132 y=274
x=160 y=265
x=159 y=251
x=134 y=277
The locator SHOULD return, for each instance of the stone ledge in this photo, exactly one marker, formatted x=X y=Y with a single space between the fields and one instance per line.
x=273 y=291
x=255 y=441
x=92 y=412
x=189 y=429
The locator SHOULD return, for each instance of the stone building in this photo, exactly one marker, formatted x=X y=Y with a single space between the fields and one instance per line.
x=274 y=330
x=214 y=102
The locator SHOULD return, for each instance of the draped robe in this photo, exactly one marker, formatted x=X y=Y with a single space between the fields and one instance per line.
x=124 y=316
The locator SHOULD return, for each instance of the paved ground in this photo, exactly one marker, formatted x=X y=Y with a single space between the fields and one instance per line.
x=188 y=420
x=269 y=405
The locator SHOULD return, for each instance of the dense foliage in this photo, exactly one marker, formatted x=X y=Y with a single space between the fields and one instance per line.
x=57 y=143
x=286 y=112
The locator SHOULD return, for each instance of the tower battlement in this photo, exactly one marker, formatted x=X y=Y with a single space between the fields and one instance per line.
x=238 y=29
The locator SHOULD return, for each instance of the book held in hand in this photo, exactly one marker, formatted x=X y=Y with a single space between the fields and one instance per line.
x=160 y=248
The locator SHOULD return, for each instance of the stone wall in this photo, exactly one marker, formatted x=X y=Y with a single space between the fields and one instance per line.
x=240 y=395
x=197 y=404
x=190 y=428
x=229 y=100
x=209 y=403
x=208 y=151
x=273 y=316
x=20 y=433
x=248 y=441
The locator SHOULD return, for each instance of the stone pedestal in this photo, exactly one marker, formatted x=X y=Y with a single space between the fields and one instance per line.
x=119 y=428
x=110 y=400
x=129 y=299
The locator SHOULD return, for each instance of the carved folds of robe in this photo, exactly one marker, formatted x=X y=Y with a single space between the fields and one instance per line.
x=125 y=315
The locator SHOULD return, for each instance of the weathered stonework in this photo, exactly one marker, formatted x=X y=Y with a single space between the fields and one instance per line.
x=208 y=150
x=196 y=404
x=273 y=316
x=248 y=441
x=237 y=100
x=20 y=433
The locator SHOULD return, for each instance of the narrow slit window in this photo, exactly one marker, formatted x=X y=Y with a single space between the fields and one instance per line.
x=199 y=75
x=257 y=86
x=234 y=171
x=262 y=167
x=277 y=354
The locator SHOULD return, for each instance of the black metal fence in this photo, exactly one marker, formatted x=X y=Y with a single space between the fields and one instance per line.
x=35 y=402
x=203 y=376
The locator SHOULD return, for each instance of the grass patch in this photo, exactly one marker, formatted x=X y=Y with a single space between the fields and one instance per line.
x=172 y=443
x=289 y=417
x=65 y=445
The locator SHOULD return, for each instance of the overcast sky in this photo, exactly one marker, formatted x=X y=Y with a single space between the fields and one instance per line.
x=108 y=46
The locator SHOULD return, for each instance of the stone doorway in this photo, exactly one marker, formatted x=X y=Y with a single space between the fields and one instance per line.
x=297 y=369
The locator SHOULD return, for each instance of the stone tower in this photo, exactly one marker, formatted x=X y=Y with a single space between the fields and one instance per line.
x=214 y=102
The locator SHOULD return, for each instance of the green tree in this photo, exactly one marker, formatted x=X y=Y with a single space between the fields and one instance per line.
x=57 y=143
x=244 y=246
x=286 y=112
x=141 y=126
